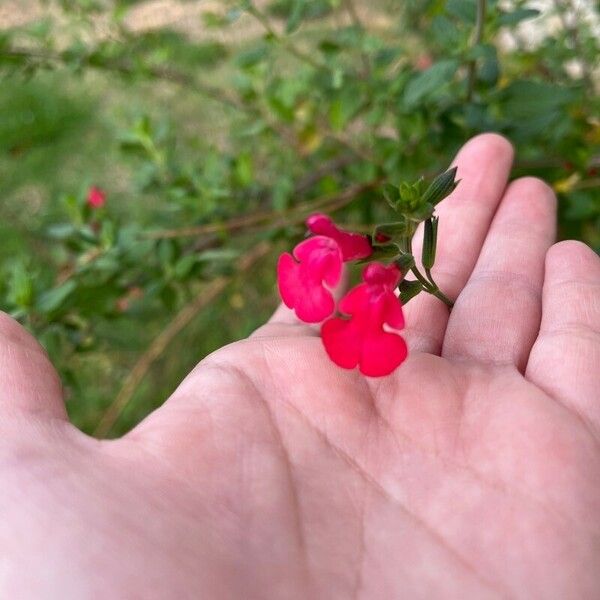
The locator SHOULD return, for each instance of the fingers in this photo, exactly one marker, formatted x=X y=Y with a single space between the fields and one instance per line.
x=484 y=165
x=28 y=382
x=497 y=316
x=565 y=359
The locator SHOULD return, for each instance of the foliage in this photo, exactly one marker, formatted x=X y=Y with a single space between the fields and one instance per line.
x=210 y=142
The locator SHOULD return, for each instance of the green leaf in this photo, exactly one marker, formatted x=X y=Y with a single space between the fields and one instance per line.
x=218 y=254
x=465 y=10
x=296 y=16
x=184 y=266
x=525 y=99
x=516 y=16
x=51 y=300
x=20 y=285
x=426 y=83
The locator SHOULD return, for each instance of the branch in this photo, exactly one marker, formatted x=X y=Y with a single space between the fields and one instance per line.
x=328 y=202
x=125 y=67
x=289 y=46
x=160 y=343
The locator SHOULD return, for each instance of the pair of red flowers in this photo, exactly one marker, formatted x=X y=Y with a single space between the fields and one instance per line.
x=366 y=336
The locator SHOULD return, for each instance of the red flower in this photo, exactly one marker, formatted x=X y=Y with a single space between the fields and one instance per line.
x=354 y=246
x=362 y=340
x=96 y=198
x=318 y=260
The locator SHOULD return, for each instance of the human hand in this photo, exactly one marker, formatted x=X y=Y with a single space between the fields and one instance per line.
x=473 y=471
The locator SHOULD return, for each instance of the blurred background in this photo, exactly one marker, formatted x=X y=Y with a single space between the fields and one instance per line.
x=211 y=129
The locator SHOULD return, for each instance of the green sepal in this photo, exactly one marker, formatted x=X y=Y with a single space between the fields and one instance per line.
x=391 y=231
x=443 y=185
x=382 y=252
x=408 y=290
x=391 y=194
x=405 y=262
x=429 y=242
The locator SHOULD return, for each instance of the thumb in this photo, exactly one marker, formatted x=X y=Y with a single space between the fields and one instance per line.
x=29 y=383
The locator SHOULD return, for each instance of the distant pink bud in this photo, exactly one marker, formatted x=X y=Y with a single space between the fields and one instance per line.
x=301 y=278
x=423 y=62
x=354 y=246
x=361 y=340
x=96 y=198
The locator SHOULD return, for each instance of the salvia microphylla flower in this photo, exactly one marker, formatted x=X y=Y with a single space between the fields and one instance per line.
x=353 y=246
x=362 y=340
x=359 y=338
x=96 y=198
x=316 y=261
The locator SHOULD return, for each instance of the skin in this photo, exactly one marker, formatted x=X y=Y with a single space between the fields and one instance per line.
x=472 y=472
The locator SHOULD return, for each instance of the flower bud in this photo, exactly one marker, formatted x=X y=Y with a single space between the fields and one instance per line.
x=429 y=242
x=443 y=185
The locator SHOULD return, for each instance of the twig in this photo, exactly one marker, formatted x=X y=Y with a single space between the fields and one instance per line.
x=159 y=344
x=328 y=202
x=479 y=25
x=125 y=67
x=284 y=41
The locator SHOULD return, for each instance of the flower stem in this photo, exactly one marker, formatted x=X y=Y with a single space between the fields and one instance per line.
x=439 y=294
x=431 y=287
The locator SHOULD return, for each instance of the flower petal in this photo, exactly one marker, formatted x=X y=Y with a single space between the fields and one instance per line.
x=341 y=342
x=301 y=281
x=381 y=354
x=354 y=246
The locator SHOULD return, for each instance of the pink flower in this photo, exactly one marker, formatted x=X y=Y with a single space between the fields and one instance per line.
x=354 y=246
x=96 y=198
x=362 y=339
x=301 y=278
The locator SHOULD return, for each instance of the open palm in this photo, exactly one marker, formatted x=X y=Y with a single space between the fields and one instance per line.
x=472 y=472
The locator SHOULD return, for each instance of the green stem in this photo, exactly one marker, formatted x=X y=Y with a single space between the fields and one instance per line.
x=426 y=284
x=429 y=276
x=439 y=294
x=477 y=38
x=431 y=287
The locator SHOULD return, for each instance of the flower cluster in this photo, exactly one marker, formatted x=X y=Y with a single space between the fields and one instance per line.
x=365 y=335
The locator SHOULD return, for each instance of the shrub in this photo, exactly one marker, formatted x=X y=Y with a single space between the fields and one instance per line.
x=212 y=144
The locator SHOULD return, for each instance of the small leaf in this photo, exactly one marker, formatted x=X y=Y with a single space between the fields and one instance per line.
x=296 y=16
x=516 y=16
x=51 y=300
x=427 y=82
x=218 y=254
